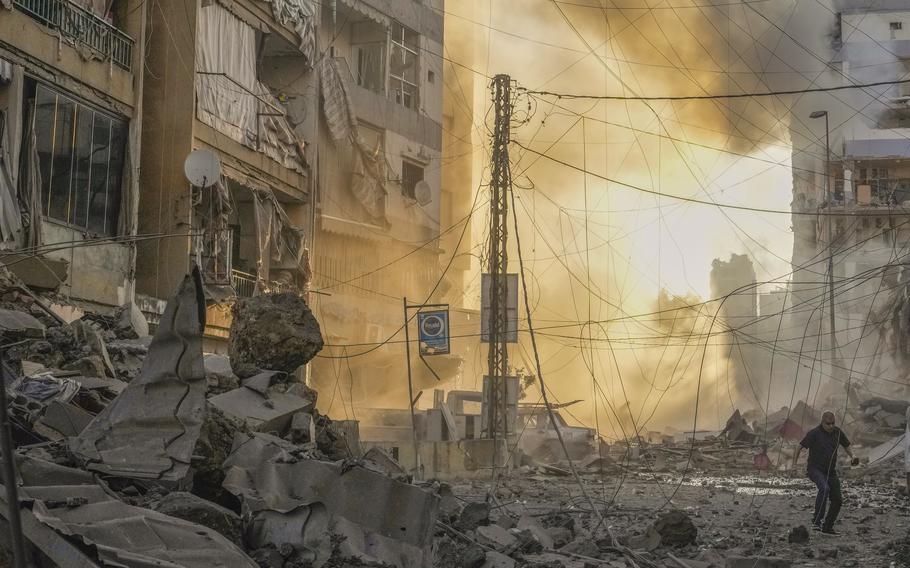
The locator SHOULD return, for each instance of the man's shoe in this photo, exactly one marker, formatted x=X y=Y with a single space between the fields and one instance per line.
x=829 y=530
x=816 y=527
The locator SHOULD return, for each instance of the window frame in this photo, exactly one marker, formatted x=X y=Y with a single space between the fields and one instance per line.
x=118 y=126
x=396 y=82
x=411 y=191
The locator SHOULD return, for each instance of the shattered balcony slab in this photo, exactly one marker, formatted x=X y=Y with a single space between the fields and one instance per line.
x=150 y=429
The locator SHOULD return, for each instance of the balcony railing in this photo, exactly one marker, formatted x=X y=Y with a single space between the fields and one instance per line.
x=244 y=284
x=81 y=25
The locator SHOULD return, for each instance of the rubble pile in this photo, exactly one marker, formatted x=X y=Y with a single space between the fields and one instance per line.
x=197 y=461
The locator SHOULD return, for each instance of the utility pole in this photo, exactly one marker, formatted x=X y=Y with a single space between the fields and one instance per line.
x=830 y=234
x=500 y=185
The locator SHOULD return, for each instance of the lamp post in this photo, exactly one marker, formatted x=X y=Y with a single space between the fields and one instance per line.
x=829 y=200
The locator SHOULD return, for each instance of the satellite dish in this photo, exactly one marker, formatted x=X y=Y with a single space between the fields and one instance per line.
x=423 y=193
x=202 y=168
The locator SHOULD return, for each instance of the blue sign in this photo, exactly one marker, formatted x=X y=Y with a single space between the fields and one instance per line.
x=433 y=332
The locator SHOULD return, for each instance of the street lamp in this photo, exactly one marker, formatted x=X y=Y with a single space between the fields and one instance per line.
x=828 y=198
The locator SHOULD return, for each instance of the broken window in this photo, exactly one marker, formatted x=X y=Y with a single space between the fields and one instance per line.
x=411 y=175
x=403 y=66
x=81 y=151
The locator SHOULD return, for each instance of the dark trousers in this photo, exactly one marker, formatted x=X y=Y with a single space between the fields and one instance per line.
x=828 y=490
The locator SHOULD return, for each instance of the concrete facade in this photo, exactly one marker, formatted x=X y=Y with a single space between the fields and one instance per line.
x=46 y=52
x=363 y=264
x=869 y=181
x=259 y=188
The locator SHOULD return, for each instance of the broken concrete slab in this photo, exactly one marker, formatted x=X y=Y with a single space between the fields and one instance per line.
x=271 y=413
x=120 y=534
x=384 y=462
x=88 y=336
x=497 y=537
x=150 y=429
x=63 y=419
x=131 y=322
x=189 y=507
x=261 y=382
x=383 y=520
x=20 y=325
x=272 y=331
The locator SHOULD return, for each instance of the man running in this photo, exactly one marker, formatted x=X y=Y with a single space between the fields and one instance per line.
x=822 y=443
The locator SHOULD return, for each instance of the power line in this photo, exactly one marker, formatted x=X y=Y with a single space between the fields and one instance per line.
x=714 y=97
x=711 y=203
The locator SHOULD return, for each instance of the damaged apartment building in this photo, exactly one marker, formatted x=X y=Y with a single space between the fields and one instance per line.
x=327 y=122
x=71 y=76
x=218 y=78
x=379 y=195
x=868 y=175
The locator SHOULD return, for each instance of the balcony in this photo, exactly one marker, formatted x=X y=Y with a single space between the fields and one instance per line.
x=244 y=285
x=82 y=26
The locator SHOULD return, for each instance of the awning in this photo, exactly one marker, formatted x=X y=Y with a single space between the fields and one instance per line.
x=364 y=9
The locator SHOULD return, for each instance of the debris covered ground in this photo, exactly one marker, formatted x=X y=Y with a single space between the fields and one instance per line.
x=137 y=451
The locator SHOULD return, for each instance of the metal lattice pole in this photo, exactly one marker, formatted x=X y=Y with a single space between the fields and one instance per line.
x=500 y=185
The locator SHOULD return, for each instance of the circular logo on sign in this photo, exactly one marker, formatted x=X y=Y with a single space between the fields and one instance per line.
x=431 y=326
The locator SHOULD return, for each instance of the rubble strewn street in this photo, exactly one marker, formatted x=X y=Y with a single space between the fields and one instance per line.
x=255 y=476
x=454 y=283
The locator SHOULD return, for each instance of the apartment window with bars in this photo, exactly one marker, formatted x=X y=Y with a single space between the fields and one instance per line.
x=403 y=66
x=81 y=152
x=411 y=175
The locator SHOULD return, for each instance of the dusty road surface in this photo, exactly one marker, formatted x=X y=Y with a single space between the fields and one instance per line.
x=734 y=516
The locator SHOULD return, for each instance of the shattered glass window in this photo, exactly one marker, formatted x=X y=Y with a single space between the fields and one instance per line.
x=403 y=66
x=81 y=153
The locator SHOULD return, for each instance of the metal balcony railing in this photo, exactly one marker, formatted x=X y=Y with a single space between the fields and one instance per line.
x=83 y=26
x=244 y=284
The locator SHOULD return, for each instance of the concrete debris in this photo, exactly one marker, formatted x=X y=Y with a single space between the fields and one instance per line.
x=150 y=429
x=474 y=515
x=17 y=325
x=380 y=460
x=263 y=412
x=86 y=335
x=194 y=509
x=62 y=420
x=497 y=537
x=219 y=377
x=214 y=445
x=272 y=332
x=381 y=519
x=131 y=322
x=120 y=534
x=675 y=528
